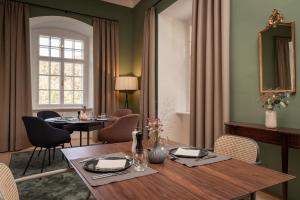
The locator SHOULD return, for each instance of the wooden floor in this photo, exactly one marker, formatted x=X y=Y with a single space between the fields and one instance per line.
x=5 y=158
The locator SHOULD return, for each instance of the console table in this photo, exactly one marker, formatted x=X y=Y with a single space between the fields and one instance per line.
x=284 y=137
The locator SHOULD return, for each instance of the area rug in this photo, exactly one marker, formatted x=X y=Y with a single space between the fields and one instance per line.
x=66 y=186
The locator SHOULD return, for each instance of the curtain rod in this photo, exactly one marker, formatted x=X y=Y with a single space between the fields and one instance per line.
x=62 y=10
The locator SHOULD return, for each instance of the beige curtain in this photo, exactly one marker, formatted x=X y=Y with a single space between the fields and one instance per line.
x=282 y=63
x=15 y=82
x=209 y=71
x=147 y=101
x=106 y=65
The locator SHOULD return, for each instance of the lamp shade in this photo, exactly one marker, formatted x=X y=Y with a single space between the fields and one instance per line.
x=126 y=83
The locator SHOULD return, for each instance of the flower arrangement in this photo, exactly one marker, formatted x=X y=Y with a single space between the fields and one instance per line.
x=271 y=100
x=155 y=128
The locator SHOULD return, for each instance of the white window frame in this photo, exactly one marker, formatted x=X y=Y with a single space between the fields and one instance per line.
x=63 y=34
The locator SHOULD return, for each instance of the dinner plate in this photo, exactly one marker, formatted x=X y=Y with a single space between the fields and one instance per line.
x=202 y=153
x=91 y=165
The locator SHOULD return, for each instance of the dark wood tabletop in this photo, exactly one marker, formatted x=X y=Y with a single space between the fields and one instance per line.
x=223 y=180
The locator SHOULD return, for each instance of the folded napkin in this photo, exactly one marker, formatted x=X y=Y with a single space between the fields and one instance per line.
x=111 y=164
x=187 y=152
x=192 y=162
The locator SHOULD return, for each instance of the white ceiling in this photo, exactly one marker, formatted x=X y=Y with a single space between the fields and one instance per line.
x=127 y=3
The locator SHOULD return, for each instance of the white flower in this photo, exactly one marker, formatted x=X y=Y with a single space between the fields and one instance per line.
x=283 y=104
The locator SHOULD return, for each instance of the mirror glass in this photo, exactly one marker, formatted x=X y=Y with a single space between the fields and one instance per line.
x=277 y=58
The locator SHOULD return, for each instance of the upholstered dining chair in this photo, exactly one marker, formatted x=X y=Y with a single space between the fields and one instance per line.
x=46 y=114
x=41 y=134
x=239 y=148
x=122 y=112
x=116 y=115
x=119 y=131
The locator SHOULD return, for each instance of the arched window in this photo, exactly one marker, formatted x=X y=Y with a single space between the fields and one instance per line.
x=61 y=63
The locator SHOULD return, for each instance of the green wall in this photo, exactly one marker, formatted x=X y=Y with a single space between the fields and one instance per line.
x=247 y=19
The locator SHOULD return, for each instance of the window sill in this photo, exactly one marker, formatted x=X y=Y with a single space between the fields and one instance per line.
x=65 y=109
x=183 y=113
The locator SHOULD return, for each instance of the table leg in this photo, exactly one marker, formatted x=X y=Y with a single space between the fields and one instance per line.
x=285 y=166
x=88 y=138
x=80 y=132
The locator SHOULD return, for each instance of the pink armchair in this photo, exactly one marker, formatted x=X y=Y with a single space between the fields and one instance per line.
x=122 y=112
x=120 y=130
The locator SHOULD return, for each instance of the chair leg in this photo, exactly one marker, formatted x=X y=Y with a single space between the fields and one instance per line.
x=80 y=138
x=88 y=138
x=62 y=155
x=253 y=196
x=43 y=163
x=49 y=152
x=71 y=144
x=54 y=152
x=27 y=165
x=40 y=151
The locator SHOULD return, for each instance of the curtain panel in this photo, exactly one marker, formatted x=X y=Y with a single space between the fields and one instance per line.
x=209 y=71
x=147 y=100
x=282 y=63
x=106 y=65
x=15 y=80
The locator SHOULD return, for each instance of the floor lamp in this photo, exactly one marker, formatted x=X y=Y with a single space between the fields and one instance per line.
x=126 y=83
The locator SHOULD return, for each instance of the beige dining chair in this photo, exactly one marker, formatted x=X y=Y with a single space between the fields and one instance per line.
x=120 y=130
x=239 y=148
x=8 y=186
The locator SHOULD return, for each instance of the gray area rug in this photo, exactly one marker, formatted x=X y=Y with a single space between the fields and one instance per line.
x=66 y=186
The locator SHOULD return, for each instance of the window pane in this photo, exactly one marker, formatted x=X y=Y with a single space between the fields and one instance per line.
x=55 y=80
x=78 y=83
x=68 y=69
x=78 y=54
x=55 y=42
x=69 y=53
x=68 y=44
x=43 y=82
x=78 y=44
x=68 y=97
x=78 y=69
x=44 y=40
x=43 y=67
x=68 y=83
x=44 y=51
x=55 y=68
x=55 y=52
x=55 y=97
x=43 y=97
x=78 y=97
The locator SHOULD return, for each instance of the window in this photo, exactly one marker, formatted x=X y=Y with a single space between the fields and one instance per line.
x=61 y=63
x=61 y=71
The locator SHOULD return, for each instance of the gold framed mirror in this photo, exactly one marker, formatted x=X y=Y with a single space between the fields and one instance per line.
x=277 y=55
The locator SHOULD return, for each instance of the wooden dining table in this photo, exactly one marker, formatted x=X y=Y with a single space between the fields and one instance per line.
x=228 y=179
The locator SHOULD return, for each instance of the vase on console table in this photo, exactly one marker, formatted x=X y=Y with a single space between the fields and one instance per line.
x=272 y=102
x=271 y=119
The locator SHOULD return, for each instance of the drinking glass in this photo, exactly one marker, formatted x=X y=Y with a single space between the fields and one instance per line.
x=140 y=160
